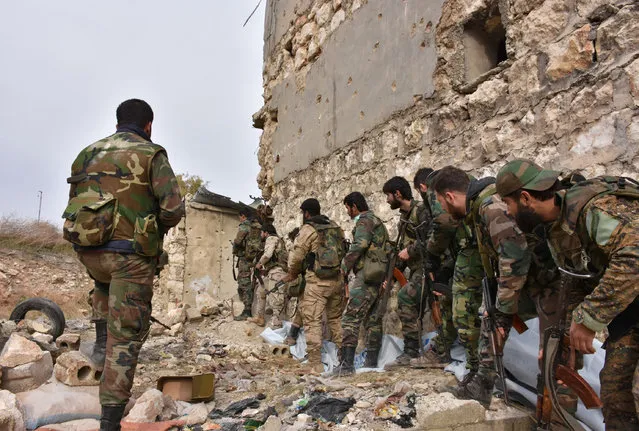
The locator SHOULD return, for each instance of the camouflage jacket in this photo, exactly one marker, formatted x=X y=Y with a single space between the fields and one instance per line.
x=247 y=237
x=599 y=236
x=444 y=227
x=419 y=225
x=368 y=231
x=502 y=245
x=138 y=174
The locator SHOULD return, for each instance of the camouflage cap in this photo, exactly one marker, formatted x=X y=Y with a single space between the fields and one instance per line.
x=524 y=174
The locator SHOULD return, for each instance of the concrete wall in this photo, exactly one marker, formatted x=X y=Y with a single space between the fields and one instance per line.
x=200 y=258
x=567 y=95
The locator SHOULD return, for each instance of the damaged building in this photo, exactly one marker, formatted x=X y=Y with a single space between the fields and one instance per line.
x=357 y=91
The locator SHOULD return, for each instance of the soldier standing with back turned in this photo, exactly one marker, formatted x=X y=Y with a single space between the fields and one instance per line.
x=123 y=198
x=246 y=247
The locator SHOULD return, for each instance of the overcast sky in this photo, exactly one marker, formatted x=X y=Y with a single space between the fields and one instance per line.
x=66 y=65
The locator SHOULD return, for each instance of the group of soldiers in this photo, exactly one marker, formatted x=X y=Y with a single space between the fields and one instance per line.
x=568 y=244
x=478 y=255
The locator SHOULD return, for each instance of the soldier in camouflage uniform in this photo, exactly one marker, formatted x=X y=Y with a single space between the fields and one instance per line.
x=367 y=258
x=246 y=247
x=416 y=221
x=272 y=265
x=503 y=253
x=123 y=198
x=441 y=253
x=593 y=234
x=317 y=252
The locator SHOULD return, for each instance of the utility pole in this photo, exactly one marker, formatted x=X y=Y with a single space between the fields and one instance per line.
x=39 y=204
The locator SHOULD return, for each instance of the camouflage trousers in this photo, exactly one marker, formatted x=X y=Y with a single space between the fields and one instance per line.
x=467 y=299
x=122 y=295
x=276 y=300
x=244 y=285
x=362 y=308
x=410 y=301
x=620 y=383
x=321 y=296
x=446 y=333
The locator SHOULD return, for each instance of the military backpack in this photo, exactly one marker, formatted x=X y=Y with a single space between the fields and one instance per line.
x=330 y=251
x=253 y=241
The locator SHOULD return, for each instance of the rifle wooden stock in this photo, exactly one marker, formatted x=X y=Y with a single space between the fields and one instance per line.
x=519 y=325
x=574 y=381
x=436 y=313
x=399 y=276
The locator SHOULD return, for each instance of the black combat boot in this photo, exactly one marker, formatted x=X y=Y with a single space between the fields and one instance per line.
x=346 y=366
x=411 y=350
x=479 y=388
x=371 y=359
x=291 y=337
x=98 y=354
x=246 y=313
x=111 y=417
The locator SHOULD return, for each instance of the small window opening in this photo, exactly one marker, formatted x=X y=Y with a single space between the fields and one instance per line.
x=484 y=44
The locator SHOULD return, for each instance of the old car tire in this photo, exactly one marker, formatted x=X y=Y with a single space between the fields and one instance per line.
x=46 y=307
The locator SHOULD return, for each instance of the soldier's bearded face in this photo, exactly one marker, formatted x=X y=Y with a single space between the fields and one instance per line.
x=526 y=218
x=451 y=203
x=392 y=201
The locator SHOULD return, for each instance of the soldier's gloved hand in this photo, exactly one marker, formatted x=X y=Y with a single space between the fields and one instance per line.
x=504 y=321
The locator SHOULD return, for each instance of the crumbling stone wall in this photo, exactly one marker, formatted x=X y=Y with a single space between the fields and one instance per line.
x=565 y=93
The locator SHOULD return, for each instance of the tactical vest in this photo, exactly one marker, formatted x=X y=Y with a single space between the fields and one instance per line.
x=487 y=253
x=378 y=245
x=327 y=259
x=568 y=238
x=576 y=254
x=253 y=241
x=279 y=258
x=411 y=234
x=113 y=196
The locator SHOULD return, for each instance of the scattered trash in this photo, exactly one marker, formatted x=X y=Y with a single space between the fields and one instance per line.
x=236 y=408
x=328 y=409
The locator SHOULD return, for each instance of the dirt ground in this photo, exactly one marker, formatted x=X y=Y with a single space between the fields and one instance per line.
x=56 y=276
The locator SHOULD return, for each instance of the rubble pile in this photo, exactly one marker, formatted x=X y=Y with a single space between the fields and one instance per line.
x=53 y=386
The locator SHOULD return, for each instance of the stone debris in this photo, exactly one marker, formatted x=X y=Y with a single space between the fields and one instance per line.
x=76 y=425
x=11 y=412
x=28 y=375
x=18 y=351
x=68 y=341
x=152 y=406
x=74 y=369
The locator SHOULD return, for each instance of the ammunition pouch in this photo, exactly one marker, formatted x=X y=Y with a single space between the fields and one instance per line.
x=90 y=220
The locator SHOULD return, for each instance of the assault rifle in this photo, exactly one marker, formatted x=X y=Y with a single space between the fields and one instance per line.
x=489 y=286
x=551 y=371
x=392 y=273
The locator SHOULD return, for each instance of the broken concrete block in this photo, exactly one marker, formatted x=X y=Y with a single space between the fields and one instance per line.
x=445 y=411
x=41 y=338
x=175 y=316
x=37 y=326
x=28 y=376
x=75 y=369
x=147 y=408
x=68 y=341
x=193 y=315
x=11 y=413
x=204 y=303
x=19 y=351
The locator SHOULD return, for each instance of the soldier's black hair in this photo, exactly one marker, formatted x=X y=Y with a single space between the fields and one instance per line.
x=246 y=212
x=134 y=111
x=451 y=179
x=292 y=234
x=269 y=228
x=398 y=184
x=421 y=176
x=312 y=206
x=357 y=200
